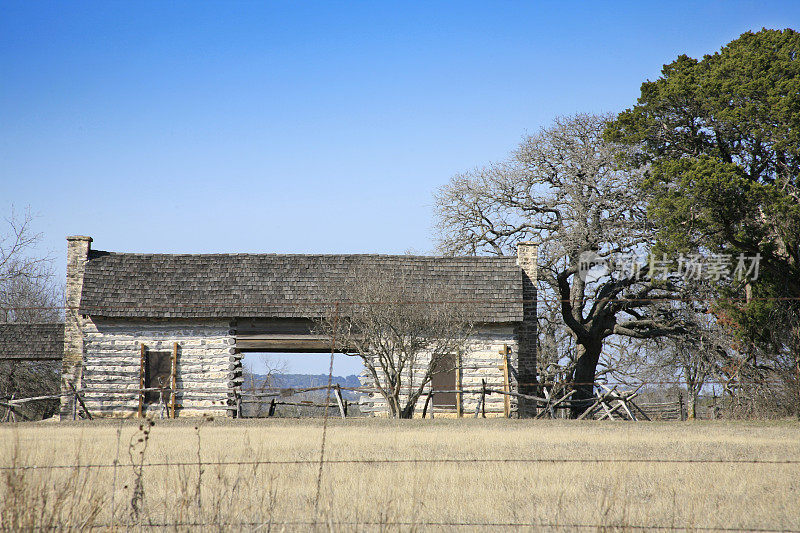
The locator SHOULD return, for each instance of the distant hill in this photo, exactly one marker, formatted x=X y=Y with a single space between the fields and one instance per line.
x=303 y=381
x=314 y=380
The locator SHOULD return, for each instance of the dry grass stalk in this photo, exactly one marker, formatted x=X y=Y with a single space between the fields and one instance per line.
x=403 y=496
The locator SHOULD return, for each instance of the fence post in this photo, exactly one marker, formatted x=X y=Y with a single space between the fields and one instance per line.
x=680 y=406
x=713 y=403
x=797 y=367
x=483 y=398
x=338 y=393
x=9 y=409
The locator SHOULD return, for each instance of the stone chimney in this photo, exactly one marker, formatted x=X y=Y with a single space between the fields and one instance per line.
x=78 y=248
x=526 y=331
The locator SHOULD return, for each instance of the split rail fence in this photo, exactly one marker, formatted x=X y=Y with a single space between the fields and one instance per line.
x=609 y=403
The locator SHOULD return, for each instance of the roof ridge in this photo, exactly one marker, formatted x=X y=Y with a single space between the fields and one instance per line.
x=104 y=253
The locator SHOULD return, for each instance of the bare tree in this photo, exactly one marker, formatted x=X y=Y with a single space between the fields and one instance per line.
x=564 y=189
x=263 y=382
x=404 y=333
x=694 y=358
x=28 y=294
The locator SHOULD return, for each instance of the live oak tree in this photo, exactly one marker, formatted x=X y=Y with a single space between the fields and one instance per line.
x=404 y=333
x=564 y=189
x=721 y=136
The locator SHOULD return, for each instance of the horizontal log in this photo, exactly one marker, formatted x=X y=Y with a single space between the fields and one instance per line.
x=35 y=357
x=284 y=343
x=21 y=401
x=279 y=326
x=298 y=404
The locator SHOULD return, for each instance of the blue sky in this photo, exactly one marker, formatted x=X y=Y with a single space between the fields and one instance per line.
x=303 y=126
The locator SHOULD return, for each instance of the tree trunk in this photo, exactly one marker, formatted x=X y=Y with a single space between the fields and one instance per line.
x=691 y=406
x=394 y=405
x=408 y=411
x=583 y=379
x=693 y=387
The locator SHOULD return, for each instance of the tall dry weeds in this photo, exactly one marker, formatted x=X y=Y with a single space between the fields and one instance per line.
x=41 y=499
x=226 y=480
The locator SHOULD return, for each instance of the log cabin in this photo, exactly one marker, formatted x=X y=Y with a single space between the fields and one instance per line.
x=184 y=322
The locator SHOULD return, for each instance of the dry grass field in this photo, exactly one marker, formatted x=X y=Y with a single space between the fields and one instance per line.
x=401 y=496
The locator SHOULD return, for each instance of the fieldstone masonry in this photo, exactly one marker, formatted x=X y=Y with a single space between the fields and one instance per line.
x=78 y=248
x=526 y=331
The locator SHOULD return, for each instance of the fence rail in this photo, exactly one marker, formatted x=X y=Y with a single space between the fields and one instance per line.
x=270 y=397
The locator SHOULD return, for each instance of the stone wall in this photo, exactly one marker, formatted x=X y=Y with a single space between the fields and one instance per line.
x=483 y=359
x=526 y=331
x=71 y=367
x=207 y=367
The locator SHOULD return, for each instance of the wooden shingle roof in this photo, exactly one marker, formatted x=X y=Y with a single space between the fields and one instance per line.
x=281 y=286
x=40 y=342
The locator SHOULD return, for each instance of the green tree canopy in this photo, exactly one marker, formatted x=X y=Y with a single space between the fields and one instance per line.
x=721 y=139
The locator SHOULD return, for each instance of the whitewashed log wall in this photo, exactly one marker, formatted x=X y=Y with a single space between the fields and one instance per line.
x=208 y=367
x=482 y=360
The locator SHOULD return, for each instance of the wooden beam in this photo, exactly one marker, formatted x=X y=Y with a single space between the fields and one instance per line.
x=142 y=362
x=13 y=411
x=173 y=380
x=589 y=411
x=640 y=410
x=459 y=394
x=506 y=385
x=483 y=398
x=275 y=326
x=283 y=343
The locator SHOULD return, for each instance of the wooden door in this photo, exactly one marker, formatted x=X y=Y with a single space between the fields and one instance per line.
x=445 y=380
